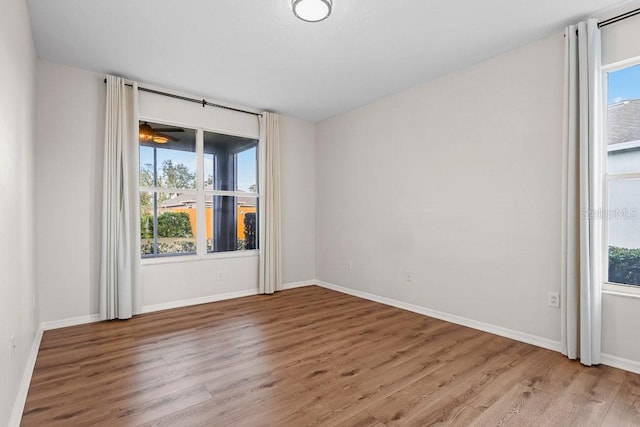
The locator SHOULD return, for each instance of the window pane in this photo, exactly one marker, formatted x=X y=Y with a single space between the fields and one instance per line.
x=232 y=223
x=167 y=224
x=247 y=174
x=230 y=163
x=147 y=247
x=624 y=232
x=623 y=120
x=624 y=161
x=167 y=156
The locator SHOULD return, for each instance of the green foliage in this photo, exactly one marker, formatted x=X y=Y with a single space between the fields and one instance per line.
x=146 y=202
x=146 y=175
x=170 y=224
x=174 y=224
x=177 y=176
x=175 y=247
x=146 y=180
x=624 y=265
x=146 y=225
x=250 y=231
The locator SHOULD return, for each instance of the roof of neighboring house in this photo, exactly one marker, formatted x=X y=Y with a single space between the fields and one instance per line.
x=180 y=200
x=623 y=122
x=183 y=200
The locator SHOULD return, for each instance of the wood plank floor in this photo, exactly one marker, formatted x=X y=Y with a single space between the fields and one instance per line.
x=311 y=356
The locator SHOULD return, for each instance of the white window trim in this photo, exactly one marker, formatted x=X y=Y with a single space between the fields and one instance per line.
x=177 y=259
x=623 y=146
x=626 y=176
x=200 y=193
x=609 y=288
x=618 y=289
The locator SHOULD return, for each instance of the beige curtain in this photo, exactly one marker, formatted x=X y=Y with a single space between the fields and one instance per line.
x=270 y=279
x=120 y=256
x=581 y=300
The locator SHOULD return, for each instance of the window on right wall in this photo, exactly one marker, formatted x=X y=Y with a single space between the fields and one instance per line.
x=622 y=179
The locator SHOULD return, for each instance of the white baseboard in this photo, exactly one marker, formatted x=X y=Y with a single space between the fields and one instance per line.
x=605 y=359
x=486 y=327
x=197 y=301
x=294 y=285
x=72 y=321
x=620 y=363
x=80 y=320
x=25 y=382
x=216 y=297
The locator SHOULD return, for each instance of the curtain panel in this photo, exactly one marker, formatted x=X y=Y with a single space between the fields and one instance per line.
x=270 y=273
x=120 y=225
x=582 y=263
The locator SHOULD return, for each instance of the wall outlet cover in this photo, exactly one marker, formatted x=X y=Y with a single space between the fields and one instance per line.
x=553 y=299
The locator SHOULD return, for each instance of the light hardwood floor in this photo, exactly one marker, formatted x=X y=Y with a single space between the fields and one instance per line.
x=311 y=356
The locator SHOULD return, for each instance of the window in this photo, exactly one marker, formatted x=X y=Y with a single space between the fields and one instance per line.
x=231 y=192
x=622 y=183
x=186 y=209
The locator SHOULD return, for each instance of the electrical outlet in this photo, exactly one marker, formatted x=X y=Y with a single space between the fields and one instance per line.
x=408 y=275
x=220 y=275
x=553 y=299
x=349 y=265
x=13 y=345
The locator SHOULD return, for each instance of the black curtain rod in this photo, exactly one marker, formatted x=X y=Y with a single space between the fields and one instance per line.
x=618 y=18
x=202 y=102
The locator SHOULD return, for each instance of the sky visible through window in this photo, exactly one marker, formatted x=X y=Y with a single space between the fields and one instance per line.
x=246 y=169
x=246 y=163
x=624 y=85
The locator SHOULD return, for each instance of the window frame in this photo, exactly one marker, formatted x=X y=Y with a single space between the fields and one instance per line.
x=235 y=193
x=612 y=288
x=201 y=194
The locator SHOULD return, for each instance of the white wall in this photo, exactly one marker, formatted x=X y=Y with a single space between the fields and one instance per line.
x=298 y=187
x=457 y=181
x=180 y=280
x=17 y=117
x=620 y=40
x=620 y=326
x=70 y=131
x=69 y=188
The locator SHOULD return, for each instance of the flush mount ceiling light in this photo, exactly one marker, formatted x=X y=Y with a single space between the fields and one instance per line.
x=312 y=10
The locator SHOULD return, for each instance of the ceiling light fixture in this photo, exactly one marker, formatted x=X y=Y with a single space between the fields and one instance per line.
x=160 y=139
x=148 y=134
x=312 y=10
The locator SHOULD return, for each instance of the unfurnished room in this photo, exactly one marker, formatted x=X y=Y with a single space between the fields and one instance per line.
x=319 y=212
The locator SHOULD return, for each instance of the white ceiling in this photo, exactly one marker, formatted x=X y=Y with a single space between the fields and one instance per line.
x=257 y=54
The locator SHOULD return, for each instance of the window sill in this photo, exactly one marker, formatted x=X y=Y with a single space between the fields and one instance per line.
x=627 y=291
x=179 y=259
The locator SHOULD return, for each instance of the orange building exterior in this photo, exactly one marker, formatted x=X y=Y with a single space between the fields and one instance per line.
x=242 y=212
